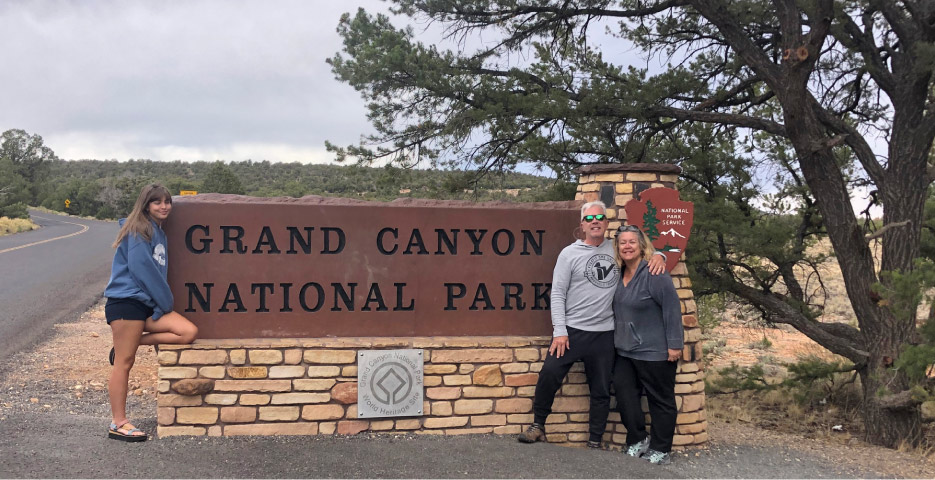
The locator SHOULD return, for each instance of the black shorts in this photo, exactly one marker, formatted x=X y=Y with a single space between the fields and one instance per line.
x=126 y=309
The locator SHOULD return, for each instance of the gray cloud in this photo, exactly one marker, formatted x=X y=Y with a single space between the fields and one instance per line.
x=196 y=79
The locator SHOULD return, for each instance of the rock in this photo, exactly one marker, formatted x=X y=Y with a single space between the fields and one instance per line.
x=345 y=393
x=95 y=335
x=33 y=400
x=488 y=375
x=193 y=386
x=928 y=411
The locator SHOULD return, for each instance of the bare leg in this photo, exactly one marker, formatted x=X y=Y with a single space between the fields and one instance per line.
x=170 y=328
x=126 y=335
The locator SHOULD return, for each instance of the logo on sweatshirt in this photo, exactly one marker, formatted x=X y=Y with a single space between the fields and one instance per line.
x=601 y=271
x=159 y=254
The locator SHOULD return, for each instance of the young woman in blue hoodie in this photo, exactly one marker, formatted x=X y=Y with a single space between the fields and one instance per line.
x=139 y=302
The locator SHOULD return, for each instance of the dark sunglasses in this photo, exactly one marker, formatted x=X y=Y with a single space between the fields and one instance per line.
x=628 y=228
x=599 y=217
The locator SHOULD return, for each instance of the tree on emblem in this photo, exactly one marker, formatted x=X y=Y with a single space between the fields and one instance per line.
x=650 y=221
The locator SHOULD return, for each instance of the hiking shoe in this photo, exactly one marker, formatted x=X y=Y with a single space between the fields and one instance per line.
x=594 y=444
x=533 y=434
x=638 y=448
x=657 y=458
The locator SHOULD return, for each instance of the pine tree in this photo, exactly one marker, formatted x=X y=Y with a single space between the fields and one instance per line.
x=650 y=222
x=221 y=179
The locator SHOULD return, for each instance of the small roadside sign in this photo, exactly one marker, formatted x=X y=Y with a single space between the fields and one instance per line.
x=188 y=192
x=67 y=203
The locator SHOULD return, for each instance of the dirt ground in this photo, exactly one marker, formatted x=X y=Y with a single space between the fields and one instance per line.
x=68 y=373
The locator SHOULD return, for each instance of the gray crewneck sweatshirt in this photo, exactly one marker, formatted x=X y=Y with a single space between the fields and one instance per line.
x=583 y=284
x=648 y=316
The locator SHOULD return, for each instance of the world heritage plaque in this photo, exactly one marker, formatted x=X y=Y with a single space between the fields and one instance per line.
x=389 y=383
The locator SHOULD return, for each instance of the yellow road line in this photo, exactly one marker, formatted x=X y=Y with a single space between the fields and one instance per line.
x=83 y=229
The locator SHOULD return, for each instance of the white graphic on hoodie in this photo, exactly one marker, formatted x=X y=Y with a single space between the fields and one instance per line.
x=159 y=254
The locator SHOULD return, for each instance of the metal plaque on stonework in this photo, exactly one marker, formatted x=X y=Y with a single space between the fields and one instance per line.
x=389 y=383
x=665 y=219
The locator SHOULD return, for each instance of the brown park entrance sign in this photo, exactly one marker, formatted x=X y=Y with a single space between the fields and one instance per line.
x=665 y=219
x=244 y=267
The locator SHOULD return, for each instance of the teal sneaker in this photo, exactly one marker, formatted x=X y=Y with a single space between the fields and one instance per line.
x=657 y=458
x=638 y=448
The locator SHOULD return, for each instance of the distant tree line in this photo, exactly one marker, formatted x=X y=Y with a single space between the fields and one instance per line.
x=31 y=174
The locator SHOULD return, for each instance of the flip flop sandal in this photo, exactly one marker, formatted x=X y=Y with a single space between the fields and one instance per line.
x=114 y=432
x=111 y=356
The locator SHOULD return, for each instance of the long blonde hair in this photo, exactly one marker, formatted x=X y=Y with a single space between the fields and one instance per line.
x=646 y=246
x=138 y=221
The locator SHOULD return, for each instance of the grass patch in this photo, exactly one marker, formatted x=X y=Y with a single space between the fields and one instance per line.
x=787 y=410
x=762 y=344
x=813 y=397
x=16 y=225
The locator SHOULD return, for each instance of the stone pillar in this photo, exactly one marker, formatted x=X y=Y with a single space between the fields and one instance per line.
x=615 y=185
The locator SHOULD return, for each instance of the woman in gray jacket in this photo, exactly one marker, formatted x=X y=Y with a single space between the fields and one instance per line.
x=648 y=341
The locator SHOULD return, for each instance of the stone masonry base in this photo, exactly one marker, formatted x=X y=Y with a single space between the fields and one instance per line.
x=309 y=387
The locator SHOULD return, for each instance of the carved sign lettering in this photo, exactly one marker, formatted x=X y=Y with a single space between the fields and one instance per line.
x=242 y=267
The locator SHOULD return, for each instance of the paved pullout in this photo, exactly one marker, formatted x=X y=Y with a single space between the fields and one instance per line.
x=56 y=445
x=50 y=275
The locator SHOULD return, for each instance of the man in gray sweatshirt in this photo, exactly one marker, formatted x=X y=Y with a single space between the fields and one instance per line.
x=583 y=285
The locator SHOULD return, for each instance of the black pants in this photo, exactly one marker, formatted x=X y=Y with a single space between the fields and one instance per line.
x=658 y=379
x=596 y=350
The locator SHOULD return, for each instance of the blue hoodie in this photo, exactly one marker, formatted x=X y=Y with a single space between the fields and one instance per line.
x=139 y=271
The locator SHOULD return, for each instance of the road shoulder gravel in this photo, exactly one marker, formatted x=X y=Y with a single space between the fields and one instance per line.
x=54 y=413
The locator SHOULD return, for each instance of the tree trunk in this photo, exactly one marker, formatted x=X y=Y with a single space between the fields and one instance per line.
x=882 y=333
x=885 y=426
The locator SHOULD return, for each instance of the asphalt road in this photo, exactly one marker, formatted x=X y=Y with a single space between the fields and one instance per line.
x=76 y=448
x=50 y=275
x=58 y=445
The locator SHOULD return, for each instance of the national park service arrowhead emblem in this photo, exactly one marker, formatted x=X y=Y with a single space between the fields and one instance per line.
x=665 y=219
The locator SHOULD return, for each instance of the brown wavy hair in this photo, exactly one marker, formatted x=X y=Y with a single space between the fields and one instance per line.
x=138 y=221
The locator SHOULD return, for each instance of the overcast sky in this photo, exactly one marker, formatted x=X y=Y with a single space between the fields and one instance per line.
x=178 y=80
x=186 y=80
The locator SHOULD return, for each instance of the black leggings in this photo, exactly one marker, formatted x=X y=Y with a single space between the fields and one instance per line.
x=631 y=377
x=596 y=350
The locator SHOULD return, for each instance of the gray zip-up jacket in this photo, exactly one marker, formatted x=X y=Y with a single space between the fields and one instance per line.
x=583 y=285
x=647 y=316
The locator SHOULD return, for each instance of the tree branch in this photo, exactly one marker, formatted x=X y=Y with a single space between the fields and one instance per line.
x=560 y=13
x=851 y=36
x=903 y=400
x=717 y=13
x=879 y=233
x=761 y=124
x=853 y=139
x=828 y=337
x=907 y=32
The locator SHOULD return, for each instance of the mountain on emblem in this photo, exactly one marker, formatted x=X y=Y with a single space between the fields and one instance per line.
x=665 y=219
x=672 y=232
